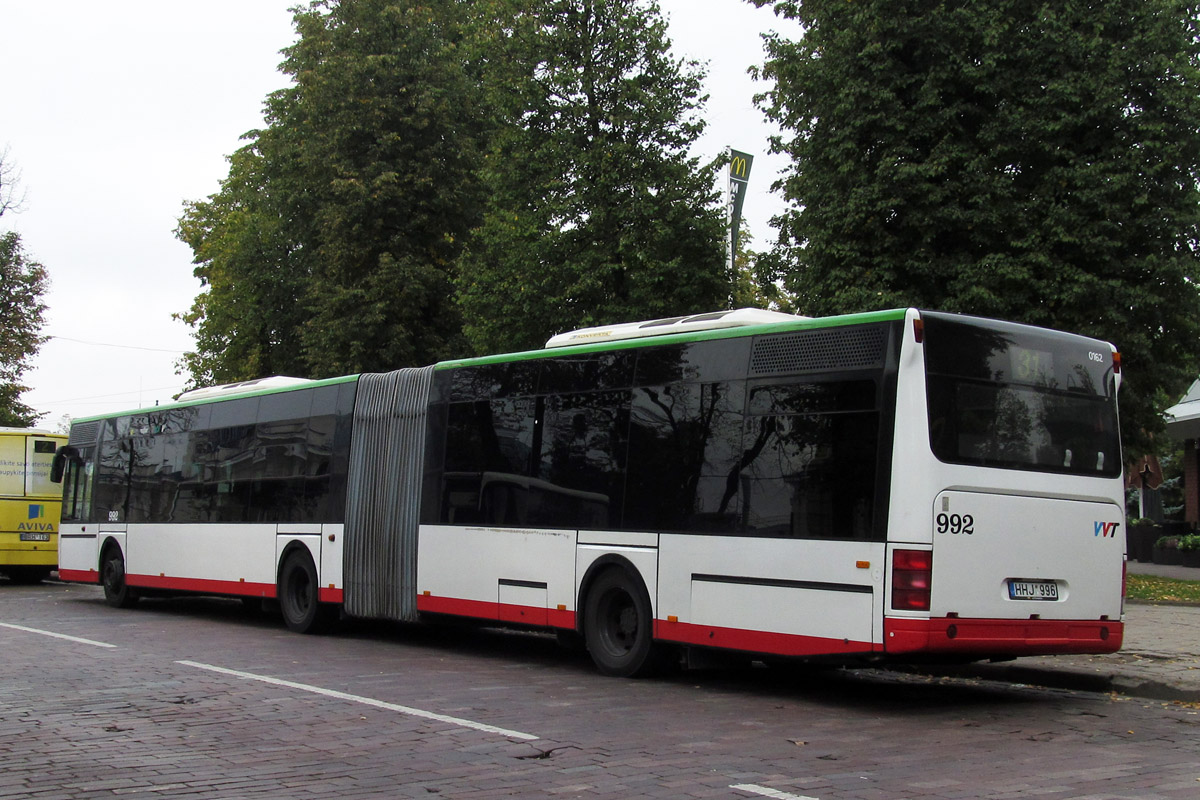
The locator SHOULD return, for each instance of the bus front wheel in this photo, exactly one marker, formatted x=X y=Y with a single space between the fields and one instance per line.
x=618 y=626
x=298 y=586
x=112 y=574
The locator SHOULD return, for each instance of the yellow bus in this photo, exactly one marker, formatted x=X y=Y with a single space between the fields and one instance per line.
x=29 y=504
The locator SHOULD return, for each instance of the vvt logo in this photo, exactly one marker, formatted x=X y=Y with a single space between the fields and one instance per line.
x=1107 y=529
x=37 y=511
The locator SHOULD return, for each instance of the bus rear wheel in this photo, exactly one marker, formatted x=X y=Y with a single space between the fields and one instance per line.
x=618 y=626
x=112 y=574
x=302 y=612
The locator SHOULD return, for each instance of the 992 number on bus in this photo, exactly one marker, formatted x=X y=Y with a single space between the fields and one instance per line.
x=955 y=524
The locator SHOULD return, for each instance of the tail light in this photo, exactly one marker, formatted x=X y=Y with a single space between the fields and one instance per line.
x=912 y=579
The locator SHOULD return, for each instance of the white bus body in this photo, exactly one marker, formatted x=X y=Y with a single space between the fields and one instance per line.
x=896 y=545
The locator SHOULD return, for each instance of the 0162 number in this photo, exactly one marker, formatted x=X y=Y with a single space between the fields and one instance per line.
x=955 y=524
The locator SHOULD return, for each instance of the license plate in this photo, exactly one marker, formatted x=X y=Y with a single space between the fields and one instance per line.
x=1032 y=590
x=35 y=537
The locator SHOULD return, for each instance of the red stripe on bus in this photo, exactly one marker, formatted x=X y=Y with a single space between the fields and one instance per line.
x=783 y=644
x=330 y=595
x=79 y=575
x=202 y=585
x=501 y=612
x=1015 y=637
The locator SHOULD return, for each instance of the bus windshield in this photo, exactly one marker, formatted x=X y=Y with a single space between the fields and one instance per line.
x=1008 y=396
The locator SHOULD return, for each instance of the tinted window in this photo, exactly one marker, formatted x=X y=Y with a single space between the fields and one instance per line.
x=488 y=445
x=684 y=456
x=582 y=460
x=587 y=372
x=716 y=360
x=287 y=466
x=112 y=479
x=231 y=413
x=811 y=474
x=494 y=380
x=1008 y=396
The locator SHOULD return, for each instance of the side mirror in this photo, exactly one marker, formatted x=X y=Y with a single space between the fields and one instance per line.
x=59 y=465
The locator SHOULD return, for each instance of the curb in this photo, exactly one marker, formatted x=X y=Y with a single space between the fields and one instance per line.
x=1070 y=679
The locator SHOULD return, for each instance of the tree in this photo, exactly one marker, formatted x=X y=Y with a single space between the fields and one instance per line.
x=332 y=245
x=22 y=285
x=249 y=318
x=1026 y=160
x=595 y=212
x=753 y=289
x=10 y=177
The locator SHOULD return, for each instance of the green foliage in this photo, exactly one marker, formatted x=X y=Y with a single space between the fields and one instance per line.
x=750 y=288
x=1151 y=589
x=249 y=318
x=23 y=283
x=595 y=212
x=331 y=247
x=1025 y=160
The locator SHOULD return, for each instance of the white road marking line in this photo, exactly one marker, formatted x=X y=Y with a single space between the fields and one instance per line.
x=765 y=791
x=56 y=635
x=413 y=712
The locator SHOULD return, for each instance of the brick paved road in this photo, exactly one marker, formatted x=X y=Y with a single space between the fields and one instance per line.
x=387 y=711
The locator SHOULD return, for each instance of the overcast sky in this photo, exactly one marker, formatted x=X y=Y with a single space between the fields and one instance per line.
x=116 y=113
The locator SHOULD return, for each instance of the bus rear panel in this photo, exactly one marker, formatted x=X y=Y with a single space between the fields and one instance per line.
x=29 y=504
x=1008 y=435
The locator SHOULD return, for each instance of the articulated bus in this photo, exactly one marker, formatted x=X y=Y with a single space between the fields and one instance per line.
x=903 y=485
x=29 y=504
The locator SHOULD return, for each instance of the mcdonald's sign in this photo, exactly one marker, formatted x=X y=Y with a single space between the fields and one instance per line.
x=739 y=175
x=739 y=166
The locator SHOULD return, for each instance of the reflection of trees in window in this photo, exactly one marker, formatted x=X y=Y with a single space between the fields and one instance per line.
x=1009 y=437
x=494 y=380
x=811 y=474
x=587 y=372
x=171 y=467
x=584 y=444
x=685 y=440
x=112 y=479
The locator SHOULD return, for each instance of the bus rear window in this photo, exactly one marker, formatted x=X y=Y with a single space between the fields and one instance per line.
x=1014 y=397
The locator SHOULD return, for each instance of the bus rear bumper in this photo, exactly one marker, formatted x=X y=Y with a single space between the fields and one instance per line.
x=1000 y=637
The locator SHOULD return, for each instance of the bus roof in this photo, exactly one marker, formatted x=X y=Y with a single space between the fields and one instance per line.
x=29 y=431
x=231 y=391
x=787 y=322
x=793 y=323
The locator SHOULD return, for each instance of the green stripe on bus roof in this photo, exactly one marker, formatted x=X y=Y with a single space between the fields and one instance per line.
x=530 y=355
x=682 y=338
x=312 y=384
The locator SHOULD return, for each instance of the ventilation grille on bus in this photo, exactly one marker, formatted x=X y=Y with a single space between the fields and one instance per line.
x=857 y=347
x=83 y=433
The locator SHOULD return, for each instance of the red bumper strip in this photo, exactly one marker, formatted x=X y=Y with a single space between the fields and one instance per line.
x=783 y=644
x=201 y=585
x=502 y=612
x=1008 y=637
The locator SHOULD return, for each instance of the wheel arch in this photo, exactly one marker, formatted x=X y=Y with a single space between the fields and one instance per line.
x=292 y=546
x=595 y=569
x=106 y=541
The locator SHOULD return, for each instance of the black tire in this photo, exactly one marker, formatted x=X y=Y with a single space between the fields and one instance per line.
x=618 y=626
x=112 y=574
x=27 y=576
x=298 y=587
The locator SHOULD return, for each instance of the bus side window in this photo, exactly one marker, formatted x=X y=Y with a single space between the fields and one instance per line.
x=811 y=451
